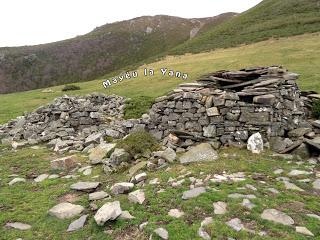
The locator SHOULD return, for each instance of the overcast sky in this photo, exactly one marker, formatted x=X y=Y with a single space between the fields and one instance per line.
x=29 y=22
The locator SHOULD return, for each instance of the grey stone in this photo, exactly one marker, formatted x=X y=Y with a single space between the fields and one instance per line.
x=193 y=193
x=98 y=195
x=85 y=186
x=248 y=204
x=235 y=224
x=98 y=153
x=77 y=224
x=41 y=178
x=109 y=211
x=209 y=131
x=238 y=195
x=316 y=184
x=18 y=225
x=16 y=180
x=292 y=186
x=176 y=213
x=296 y=172
x=200 y=153
x=169 y=154
x=213 y=111
x=66 y=210
x=121 y=188
x=277 y=216
x=119 y=156
x=93 y=138
x=299 y=132
x=268 y=99
x=125 y=215
x=65 y=163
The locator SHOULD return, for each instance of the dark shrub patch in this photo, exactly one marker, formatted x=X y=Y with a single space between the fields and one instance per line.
x=316 y=109
x=136 y=107
x=70 y=88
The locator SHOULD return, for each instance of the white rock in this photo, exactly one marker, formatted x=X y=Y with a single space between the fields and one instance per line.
x=278 y=171
x=85 y=186
x=247 y=204
x=304 y=231
x=292 y=186
x=251 y=187
x=273 y=190
x=125 y=215
x=316 y=184
x=140 y=177
x=154 y=181
x=193 y=193
x=109 y=211
x=176 y=213
x=313 y=216
x=87 y=172
x=220 y=208
x=238 y=195
x=137 y=196
x=66 y=210
x=162 y=233
x=16 y=180
x=255 y=143
x=201 y=231
x=53 y=176
x=41 y=178
x=276 y=216
x=298 y=172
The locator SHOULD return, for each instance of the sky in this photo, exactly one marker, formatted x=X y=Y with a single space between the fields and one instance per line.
x=30 y=22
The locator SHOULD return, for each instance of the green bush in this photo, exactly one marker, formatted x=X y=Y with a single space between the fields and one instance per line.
x=316 y=109
x=138 y=142
x=135 y=107
x=70 y=88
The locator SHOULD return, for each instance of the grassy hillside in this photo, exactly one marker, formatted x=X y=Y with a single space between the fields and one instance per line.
x=106 y=49
x=299 y=54
x=270 y=18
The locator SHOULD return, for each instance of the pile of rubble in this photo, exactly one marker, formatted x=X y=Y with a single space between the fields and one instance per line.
x=226 y=107
x=70 y=123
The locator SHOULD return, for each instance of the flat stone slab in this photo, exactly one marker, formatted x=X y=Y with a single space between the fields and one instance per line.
x=239 y=195
x=16 y=180
x=77 y=224
x=18 y=226
x=276 y=216
x=175 y=213
x=121 y=188
x=193 y=193
x=41 y=178
x=66 y=210
x=85 y=186
x=200 y=153
x=220 y=208
x=98 y=195
x=162 y=233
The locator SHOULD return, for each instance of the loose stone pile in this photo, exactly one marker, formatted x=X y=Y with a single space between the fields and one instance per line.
x=68 y=123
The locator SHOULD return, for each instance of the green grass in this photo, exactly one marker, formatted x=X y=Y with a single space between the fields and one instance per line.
x=29 y=202
x=269 y=19
x=299 y=54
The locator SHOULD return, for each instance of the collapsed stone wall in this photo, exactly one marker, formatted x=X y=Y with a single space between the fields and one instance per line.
x=227 y=107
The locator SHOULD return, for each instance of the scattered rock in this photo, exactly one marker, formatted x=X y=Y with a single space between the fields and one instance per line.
x=169 y=154
x=137 y=196
x=162 y=233
x=136 y=168
x=125 y=215
x=235 y=224
x=140 y=177
x=313 y=216
x=98 y=195
x=238 y=195
x=276 y=216
x=109 y=211
x=278 y=171
x=119 y=156
x=66 y=210
x=41 y=178
x=16 y=180
x=200 y=153
x=220 y=208
x=255 y=143
x=176 y=213
x=85 y=186
x=18 y=226
x=193 y=193
x=295 y=172
x=247 y=204
x=121 y=188
x=77 y=224
x=201 y=232
x=316 y=184
x=273 y=190
x=292 y=186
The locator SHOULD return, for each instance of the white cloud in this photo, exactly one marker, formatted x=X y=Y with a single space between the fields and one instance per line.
x=27 y=22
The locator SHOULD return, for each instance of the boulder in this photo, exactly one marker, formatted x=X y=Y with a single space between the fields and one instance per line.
x=66 y=210
x=200 y=153
x=137 y=196
x=119 y=156
x=121 y=188
x=98 y=153
x=109 y=211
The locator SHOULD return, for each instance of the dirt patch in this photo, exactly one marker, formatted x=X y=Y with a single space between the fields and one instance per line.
x=295 y=206
x=130 y=233
x=69 y=197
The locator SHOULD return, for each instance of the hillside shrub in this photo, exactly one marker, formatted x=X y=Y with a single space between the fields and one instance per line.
x=134 y=108
x=138 y=142
x=316 y=109
x=70 y=88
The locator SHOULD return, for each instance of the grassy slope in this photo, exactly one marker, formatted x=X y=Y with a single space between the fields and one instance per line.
x=29 y=202
x=270 y=18
x=299 y=54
